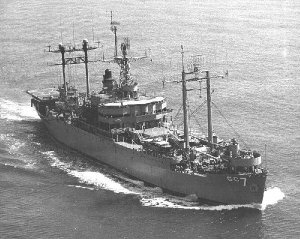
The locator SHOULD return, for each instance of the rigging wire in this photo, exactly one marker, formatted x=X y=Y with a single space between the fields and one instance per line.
x=178 y=112
x=198 y=123
x=61 y=33
x=58 y=76
x=69 y=74
x=75 y=76
x=228 y=122
x=266 y=162
x=189 y=116
x=195 y=111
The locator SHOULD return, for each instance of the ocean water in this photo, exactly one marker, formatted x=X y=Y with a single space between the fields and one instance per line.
x=50 y=191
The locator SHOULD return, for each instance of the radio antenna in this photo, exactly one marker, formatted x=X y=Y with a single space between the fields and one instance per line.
x=61 y=34
x=93 y=26
x=114 y=30
x=73 y=34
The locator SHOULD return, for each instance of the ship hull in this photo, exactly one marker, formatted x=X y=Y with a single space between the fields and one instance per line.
x=221 y=188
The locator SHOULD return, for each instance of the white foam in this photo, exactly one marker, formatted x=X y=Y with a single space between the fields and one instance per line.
x=168 y=201
x=14 y=111
x=13 y=148
x=154 y=196
x=13 y=144
x=95 y=178
x=132 y=181
x=78 y=186
x=5 y=136
x=100 y=180
x=271 y=197
x=55 y=162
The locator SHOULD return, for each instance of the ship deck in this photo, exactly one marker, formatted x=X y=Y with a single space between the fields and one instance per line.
x=44 y=94
x=153 y=132
x=130 y=146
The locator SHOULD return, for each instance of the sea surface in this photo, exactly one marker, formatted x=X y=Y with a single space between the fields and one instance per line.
x=50 y=191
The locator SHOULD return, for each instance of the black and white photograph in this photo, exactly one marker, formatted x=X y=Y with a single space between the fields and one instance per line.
x=145 y=119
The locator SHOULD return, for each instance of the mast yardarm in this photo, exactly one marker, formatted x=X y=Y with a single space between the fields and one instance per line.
x=184 y=96
x=73 y=60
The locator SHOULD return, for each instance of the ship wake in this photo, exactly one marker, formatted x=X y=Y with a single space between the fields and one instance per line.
x=11 y=152
x=13 y=111
x=87 y=175
x=271 y=197
x=95 y=178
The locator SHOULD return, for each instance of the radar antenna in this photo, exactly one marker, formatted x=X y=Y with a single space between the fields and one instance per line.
x=124 y=60
x=113 y=28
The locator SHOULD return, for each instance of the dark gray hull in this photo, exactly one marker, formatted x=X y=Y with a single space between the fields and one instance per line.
x=222 y=188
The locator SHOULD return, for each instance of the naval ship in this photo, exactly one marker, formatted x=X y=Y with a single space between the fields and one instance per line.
x=132 y=132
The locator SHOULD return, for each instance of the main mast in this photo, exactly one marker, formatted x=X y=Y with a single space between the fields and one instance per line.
x=209 y=121
x=85 y=50
x=63 y=63
x=184 y=99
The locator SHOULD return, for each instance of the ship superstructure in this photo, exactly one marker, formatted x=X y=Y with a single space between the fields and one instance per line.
x=130 y=131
